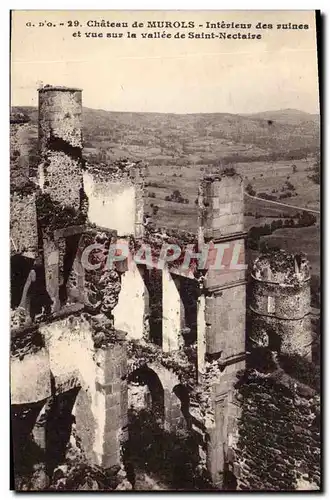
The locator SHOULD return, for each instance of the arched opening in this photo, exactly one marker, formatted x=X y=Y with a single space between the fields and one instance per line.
x=156 y=455
x=146 y=413
x=146 y=392
x=275 y=340
x=59 y=427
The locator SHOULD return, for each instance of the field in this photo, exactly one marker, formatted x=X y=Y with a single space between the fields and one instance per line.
x=264 y=178
x=302 y=239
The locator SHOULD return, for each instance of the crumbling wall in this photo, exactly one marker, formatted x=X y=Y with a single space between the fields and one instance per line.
x=23 y=224
x=103 y=284
x=116 y=197
x=76 y=354
x=281 y=267
x=29 y=369
x=279 y=435
x=20 y=132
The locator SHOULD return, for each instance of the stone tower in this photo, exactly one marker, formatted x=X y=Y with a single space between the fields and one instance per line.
x=60 y=143
x=221 y=201
x=60 y=207
x=280 y=303
x=221 y=316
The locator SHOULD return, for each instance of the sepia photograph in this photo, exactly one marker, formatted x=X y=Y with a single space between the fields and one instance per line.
x=165 y=270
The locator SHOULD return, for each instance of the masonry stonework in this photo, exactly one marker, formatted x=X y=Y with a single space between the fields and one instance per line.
x=60 y=140
x=23 y=225
x=280 y=301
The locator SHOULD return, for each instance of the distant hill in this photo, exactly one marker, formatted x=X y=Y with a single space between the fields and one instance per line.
x=190 y=139
x=289 y=116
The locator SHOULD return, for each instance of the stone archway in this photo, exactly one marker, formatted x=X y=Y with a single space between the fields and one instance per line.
x=173 y=417
x=146 y=391
x=162 y=450
x=159 y=388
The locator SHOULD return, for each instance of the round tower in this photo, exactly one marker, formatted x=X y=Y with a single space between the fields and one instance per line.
x=60 y=143
x=280 y=303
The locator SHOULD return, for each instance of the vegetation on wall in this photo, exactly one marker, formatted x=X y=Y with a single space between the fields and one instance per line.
x=53 y=215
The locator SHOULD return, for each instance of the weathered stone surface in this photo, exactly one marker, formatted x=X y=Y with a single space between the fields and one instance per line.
x=116 y=202
x=280 y=302
x=23 y=224
x=280 y=432
x=60 y=136
x=30 y=378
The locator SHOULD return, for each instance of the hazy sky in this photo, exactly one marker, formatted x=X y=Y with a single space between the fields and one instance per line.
x=169 y=75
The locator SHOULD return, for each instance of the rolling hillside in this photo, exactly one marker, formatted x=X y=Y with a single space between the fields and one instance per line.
x=194 y=138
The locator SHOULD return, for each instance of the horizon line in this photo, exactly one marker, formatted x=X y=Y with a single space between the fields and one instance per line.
x=246 y=114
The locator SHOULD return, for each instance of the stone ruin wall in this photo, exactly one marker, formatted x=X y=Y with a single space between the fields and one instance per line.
x=71 y=369
x=116 y=197
x=20 y=130
x=278 y=444
x=23 y=217
x=23 y=224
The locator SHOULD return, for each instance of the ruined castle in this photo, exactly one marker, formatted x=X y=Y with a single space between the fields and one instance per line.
x=83 y=340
